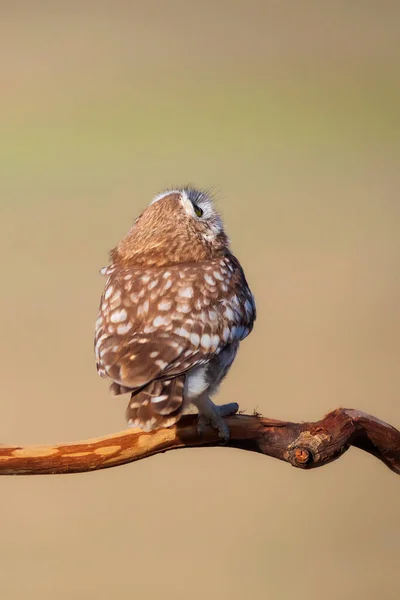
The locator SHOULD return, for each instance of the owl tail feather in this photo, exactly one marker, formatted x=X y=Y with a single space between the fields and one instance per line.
x=158 y=405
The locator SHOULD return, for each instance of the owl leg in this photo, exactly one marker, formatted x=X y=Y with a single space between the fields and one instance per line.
x=211 y=414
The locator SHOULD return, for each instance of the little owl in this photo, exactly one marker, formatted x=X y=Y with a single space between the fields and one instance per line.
x=175 y=307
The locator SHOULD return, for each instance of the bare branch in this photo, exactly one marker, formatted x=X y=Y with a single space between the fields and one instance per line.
x=303 y=445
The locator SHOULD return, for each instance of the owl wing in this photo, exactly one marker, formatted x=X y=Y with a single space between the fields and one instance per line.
x=159 y=323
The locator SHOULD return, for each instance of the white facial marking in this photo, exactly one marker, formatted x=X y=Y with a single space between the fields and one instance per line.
x=164 y=195
x=122 y=329
x=118 y=316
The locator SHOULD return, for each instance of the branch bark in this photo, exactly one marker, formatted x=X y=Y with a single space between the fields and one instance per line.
x=303 y=445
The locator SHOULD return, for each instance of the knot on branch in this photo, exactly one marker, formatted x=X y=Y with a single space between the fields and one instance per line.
x=300 y=457
x=305 y=451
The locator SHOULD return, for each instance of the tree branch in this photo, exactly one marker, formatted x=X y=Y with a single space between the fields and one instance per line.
x=303 y=445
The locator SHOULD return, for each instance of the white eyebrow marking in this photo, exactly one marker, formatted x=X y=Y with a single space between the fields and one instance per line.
x=164 y=195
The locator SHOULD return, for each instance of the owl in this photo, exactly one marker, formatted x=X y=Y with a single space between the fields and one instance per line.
x=175 y=307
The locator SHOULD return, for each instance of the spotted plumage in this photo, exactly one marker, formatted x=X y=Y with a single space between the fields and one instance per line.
x=174 y=309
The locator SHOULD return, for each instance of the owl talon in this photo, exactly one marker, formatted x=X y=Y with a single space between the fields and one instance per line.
x=213 y=416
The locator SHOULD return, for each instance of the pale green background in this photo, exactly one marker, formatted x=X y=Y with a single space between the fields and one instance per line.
x=291 y=109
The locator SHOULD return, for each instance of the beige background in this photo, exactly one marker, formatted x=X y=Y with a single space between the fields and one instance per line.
x=291 y=109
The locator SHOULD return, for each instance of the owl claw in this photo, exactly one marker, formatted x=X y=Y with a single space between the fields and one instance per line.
x=213 y=415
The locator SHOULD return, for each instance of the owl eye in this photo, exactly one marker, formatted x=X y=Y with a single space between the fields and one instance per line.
x=198 y=210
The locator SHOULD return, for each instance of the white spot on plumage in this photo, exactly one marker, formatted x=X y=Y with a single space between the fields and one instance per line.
x=108 y=292
x=186 y=292
x=159 y=321
x=164 y=304
x=152 y=284
x=182 y=332
x=167 y=285
x=145 y=279
x=195 y=339
x=166 y=274
x=101 y=340
x=205 y=341
x=209 y=279
x=154 y=354
x=161 y=363
x=183 y=308
x=212 y=315
x=229 y=313
x=217 y=275
x=149 y=329
x=124 y=328
x=226 y=334
x=161 y=398
x=118 y=316
x=215 y=341
x=143 y=309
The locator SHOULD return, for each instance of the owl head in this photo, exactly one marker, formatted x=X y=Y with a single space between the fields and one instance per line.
x=179 y=225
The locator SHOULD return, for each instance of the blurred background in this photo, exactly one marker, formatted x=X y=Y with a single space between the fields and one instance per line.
x=291 y=110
